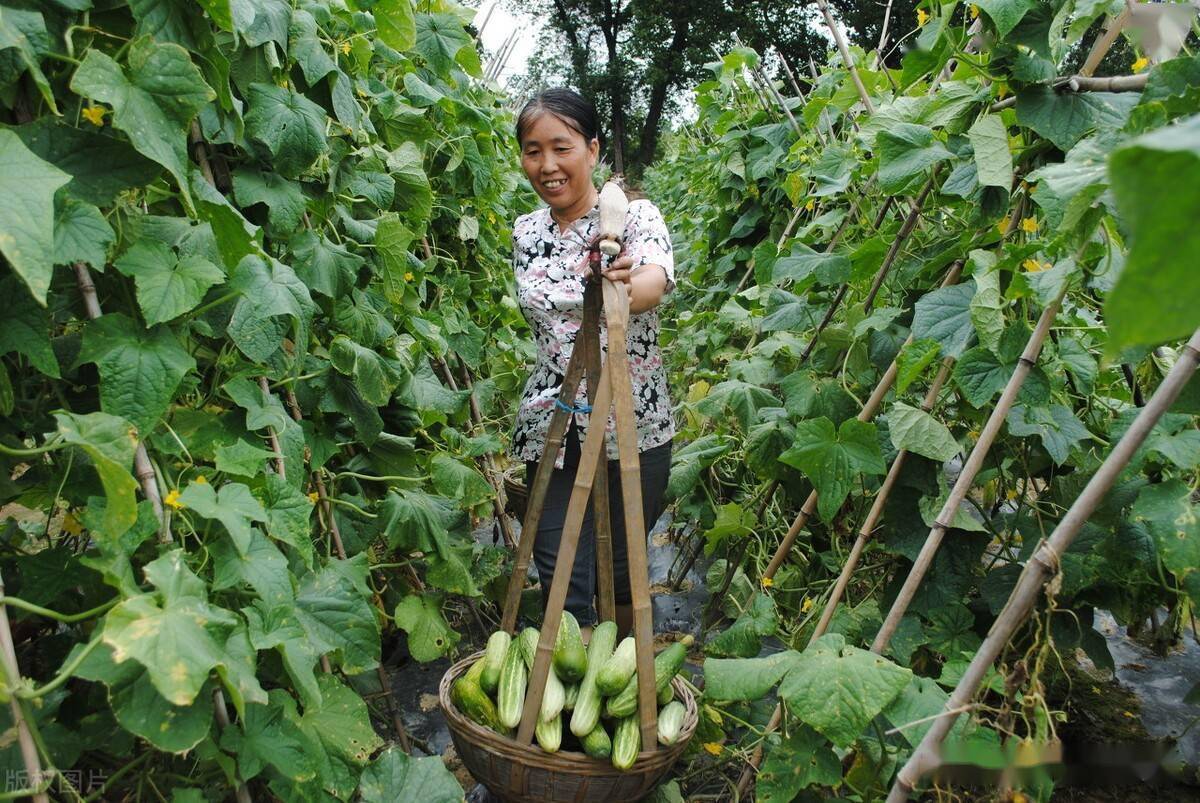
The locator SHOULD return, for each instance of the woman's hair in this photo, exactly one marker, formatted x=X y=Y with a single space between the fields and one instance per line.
x=567 y=105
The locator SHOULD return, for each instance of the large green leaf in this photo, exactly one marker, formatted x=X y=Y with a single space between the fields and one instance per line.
x=987 y=307
x=167 y=285
x=906 y=151
x=1005 y=14
x=81 y=234
x=1055 y=424
x=396 y=23
x=140 y=369
x=838 y=689
x=284 y=199
x=833 y=458
x=290 y=126
x=27 y=187
x=100 y=166
x=266 y=736
x=1174 y=521
x=26 y=328
x=138 y=706
x=429 y=636
x=803 y=264
x=746 y=678
x=993 y=159
x=269 y=290
x=374 y=376
x=743 y=639
x=801 y=759
x=24 y=31
x=1157 y=296
x=439 y=38
x=395 y=775
x=326 y=267
x=154 y=100
x=110 y=442
x=731 y=522
x=688 y=463
x=917 y=431
x=944 y=315
x=332 y=607
x=743 y=399
x=458 y=481
x=340 y=735
x=232 y=505
x=175 y=633
x=1065 y=118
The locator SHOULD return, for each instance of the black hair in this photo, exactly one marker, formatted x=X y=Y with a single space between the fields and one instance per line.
x=567 y=105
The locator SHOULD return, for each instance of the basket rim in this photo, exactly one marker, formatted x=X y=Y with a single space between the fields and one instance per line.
x=566 y=760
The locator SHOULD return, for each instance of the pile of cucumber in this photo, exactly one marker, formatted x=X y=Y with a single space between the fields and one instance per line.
x=592 y=685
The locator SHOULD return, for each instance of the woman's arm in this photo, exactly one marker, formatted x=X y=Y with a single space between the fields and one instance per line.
x=646 y=285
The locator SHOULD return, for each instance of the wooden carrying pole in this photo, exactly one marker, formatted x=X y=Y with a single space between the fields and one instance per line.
x=614 y=391
x=1044 y=564
x=967 y=476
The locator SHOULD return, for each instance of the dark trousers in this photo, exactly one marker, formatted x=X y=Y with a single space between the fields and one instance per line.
x=655 y=466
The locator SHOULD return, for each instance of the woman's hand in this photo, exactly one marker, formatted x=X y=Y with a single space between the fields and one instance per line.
x=645 y=284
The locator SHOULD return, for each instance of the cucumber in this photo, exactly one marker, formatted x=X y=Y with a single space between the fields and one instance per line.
x=617 y=670
x=549 y=734
x=469 y=698
x=553 y=698
x=570 y=657
x=665 y=695
x=666 y=665
x=627 y=741
x=529 y=641
x=670 y=722
x=572 y=696
x=587 y=707
x=493 y=660
x=510 y=692
x=597 y=744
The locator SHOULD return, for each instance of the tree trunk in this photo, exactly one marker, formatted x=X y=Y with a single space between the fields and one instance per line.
x=668 y=69
x=610 y=27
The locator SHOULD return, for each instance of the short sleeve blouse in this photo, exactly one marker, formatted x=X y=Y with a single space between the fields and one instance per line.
x=550 y=268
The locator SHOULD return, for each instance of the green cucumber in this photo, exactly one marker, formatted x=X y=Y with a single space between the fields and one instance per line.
x=666 y=665
x=469 y=698
x=570 y=657
x=549 y=734
x=665 y=695
x=617 y=670
x=510 y=692
x=626 y=742
x=572 y=696
x=587 y=707
x=597 y=744
x=493 y=660
x=670 y=722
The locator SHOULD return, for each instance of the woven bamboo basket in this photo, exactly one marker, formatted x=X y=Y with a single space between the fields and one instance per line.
x=519 y=773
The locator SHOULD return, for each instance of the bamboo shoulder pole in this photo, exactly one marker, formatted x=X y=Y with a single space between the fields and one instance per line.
x=967 y=476
x=568 y=546
x=616 y=311
x=1045 y=563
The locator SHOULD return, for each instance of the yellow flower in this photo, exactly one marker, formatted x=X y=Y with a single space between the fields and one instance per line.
x=172 y=499
x=202 y=480
x=408 y=277
x=808 y=207
x=71 y=525
x=973 y=434
x=1002 y=226
x=1011 y=494
x=1019 y=797
x=713 y=748
x=1096 y=690
x=313 y=497
x=1029 y=225
x=974 y=11
x=94 y=115
x=1128 y=715
x=806 y=606
x=1033 y=266
x=922 y=16
x=345 y=48
x=767 y=582
x=1141 y=64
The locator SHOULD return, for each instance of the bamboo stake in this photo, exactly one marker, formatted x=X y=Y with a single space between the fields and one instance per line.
x=869 y=409
x=143 y=469
x=1045 y=562
x=486 y=17
x=883 y=32
x=844 y=50
x=12 y=675
x=1084 y=83
x=272 y=436
x=967 y=476
x=1105 y=41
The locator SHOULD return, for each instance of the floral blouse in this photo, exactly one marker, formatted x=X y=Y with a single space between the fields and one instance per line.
x=551 y=270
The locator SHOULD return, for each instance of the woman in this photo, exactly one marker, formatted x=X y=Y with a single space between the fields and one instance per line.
x=557 y=133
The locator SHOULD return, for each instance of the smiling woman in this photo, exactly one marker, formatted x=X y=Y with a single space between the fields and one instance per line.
x=558 y=135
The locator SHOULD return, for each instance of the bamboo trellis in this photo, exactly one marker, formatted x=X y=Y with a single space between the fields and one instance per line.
x=1045 y=563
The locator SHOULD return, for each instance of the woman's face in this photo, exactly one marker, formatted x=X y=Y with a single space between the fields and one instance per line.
x=558 y=162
